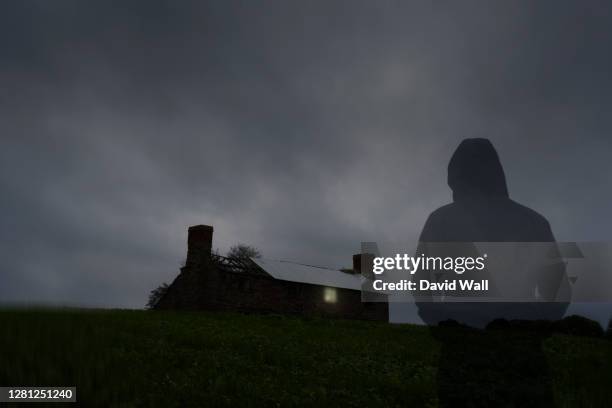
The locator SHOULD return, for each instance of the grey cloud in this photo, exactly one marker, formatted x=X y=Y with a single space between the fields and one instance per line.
x=300 y=128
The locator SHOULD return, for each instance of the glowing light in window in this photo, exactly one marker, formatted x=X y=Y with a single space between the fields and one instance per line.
x=330 y=295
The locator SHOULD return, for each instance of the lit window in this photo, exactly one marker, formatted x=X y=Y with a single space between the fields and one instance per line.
x=330 y=295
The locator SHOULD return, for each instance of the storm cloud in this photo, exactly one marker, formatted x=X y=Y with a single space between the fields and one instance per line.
x=301 y=128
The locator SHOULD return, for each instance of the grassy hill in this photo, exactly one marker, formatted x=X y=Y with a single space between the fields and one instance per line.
x=142 y=358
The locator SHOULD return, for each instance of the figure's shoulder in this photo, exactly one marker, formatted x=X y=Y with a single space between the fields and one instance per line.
x=444 y=217
x=529 y=214
x=437 y=223
x=443 y=212
x=486 y=220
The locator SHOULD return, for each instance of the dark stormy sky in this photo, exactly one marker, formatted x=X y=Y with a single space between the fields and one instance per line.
x=301 y=128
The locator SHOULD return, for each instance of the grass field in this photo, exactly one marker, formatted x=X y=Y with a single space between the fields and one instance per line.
x=143 y=358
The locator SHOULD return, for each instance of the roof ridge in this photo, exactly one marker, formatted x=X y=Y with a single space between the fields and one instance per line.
x=303 y=264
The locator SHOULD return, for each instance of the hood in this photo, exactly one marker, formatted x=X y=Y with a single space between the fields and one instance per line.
x=475 y=170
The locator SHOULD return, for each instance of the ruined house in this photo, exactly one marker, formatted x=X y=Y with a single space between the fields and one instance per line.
x=212 y=282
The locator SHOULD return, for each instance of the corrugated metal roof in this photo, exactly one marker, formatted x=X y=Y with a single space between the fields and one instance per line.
x=315 y=275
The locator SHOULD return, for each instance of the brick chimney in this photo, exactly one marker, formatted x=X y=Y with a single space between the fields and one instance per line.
x=363 y=262
x=199 y=244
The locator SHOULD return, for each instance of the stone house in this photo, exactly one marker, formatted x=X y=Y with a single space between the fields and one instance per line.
x=212 y=282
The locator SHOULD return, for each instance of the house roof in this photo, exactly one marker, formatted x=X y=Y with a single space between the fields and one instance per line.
x=316 y=275
x=237 y=265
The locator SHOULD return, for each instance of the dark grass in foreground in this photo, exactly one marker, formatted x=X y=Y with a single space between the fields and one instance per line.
x=141 y=358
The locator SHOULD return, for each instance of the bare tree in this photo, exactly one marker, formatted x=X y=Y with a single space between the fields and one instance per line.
x=156 y=294
x=243 y=252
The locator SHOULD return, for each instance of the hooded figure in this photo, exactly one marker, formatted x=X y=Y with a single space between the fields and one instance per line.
x=482 y=212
